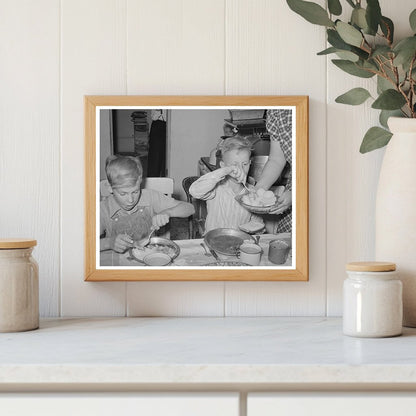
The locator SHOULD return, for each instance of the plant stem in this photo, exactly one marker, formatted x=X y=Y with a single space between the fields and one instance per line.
x=408 y=102
x=395 y=71
x=388 y=34
x=384 y=73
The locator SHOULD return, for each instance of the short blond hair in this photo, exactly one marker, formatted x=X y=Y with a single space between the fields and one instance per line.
x=123 y=170
x=233 y=143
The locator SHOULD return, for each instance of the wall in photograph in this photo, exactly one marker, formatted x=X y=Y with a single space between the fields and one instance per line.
x=55 y=52
x=192 y=136
x=106 y=140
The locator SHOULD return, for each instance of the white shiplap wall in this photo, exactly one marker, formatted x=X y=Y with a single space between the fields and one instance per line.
x=55 y=52
x=30 y=134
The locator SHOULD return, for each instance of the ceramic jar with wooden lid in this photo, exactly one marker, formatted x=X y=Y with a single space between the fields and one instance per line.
x=19 y=286
x=372 y=300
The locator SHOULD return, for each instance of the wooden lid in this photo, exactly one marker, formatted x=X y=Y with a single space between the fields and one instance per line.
x=11 y=243
x=371 y=266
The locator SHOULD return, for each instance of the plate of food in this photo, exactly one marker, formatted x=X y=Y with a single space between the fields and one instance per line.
x=258 y=202
x=156 y=245
x=226 y=240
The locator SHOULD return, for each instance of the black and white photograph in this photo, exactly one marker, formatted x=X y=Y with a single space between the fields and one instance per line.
x=196 y=187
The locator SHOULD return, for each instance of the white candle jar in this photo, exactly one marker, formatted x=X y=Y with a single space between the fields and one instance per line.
x=372 y=297
x=19 y=286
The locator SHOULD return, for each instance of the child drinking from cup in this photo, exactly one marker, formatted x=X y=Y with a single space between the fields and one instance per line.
x=220 y=187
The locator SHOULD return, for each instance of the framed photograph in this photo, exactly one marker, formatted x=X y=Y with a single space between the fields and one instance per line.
x=196 y=188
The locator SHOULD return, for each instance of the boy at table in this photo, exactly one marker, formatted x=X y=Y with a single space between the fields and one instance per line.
x=220 y=187
x=128 y=213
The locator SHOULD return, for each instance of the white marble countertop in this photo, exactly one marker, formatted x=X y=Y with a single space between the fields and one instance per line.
x=204 y=351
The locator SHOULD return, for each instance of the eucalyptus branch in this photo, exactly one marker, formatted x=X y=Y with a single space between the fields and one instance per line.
x=386 y=37
x=406 y=97
x=370 y=70
x=381 y=65
x=395 y=71
x=384 y=73
x=386 y=61
x=377 y=55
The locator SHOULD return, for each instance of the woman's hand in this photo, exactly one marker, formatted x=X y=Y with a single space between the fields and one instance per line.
x=160 y=220
x=284 y=202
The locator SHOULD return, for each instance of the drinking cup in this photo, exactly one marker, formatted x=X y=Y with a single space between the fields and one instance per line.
x=278 y=251
x=250 y=253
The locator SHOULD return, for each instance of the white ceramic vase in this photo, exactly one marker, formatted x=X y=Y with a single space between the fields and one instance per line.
x=396 y=210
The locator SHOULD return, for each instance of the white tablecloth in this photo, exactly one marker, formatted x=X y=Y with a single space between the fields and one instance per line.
x=193 y=254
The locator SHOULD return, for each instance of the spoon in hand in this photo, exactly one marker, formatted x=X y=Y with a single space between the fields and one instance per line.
x=152 y=230
x=147 y=240
x=245 y=186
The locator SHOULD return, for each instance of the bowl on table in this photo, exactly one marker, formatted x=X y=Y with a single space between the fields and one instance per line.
x=158 y=247
x=226 y=241
x=157 y=259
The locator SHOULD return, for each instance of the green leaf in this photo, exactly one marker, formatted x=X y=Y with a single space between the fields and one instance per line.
x=327 y=51
x=334 y=7
x=389 y=100
x=375 y=138
x=381 y=50
x=412 y=20
x=352 y=68
x=373 y=15
x=355 y=96
x=405 y=50
x=347 y=55
x=383 y=84
x=349 y=34
x=311 y=12
x=386 y=114
x=336 y=41
x=387 y=27
x=358 y=18
x=370 y=65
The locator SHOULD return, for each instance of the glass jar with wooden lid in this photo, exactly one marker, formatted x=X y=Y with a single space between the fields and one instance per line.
x=19 y=286
x=372 y=300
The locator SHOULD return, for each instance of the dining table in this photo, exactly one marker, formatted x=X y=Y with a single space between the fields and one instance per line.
x=193 y=254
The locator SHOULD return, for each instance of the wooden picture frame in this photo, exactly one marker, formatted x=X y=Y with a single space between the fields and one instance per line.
x=94 y=268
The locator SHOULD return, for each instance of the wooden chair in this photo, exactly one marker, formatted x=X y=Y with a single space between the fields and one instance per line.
x=163 y=185
x=196 y=222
